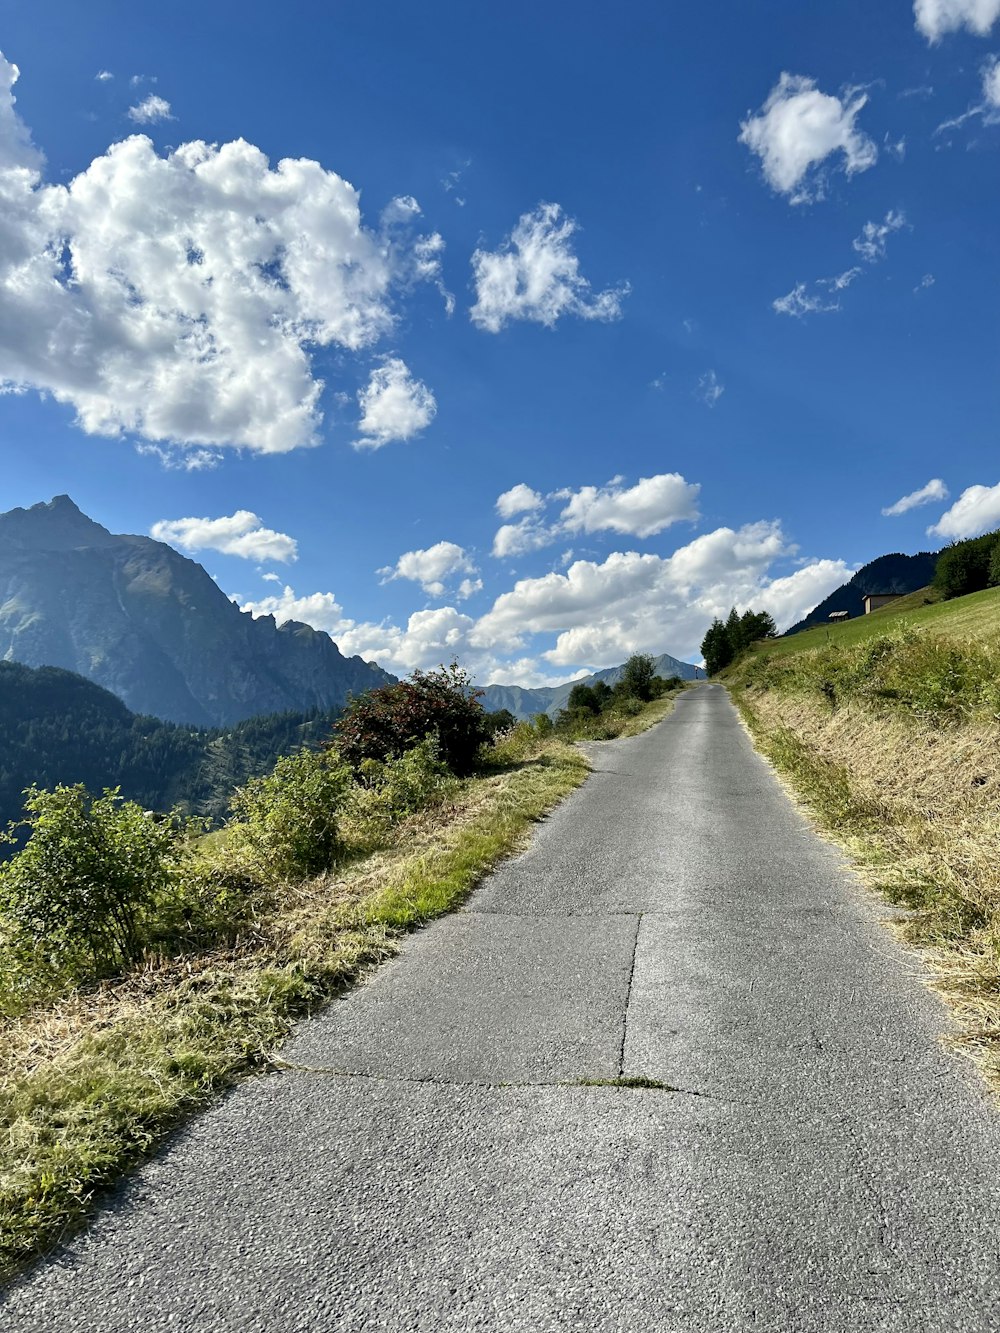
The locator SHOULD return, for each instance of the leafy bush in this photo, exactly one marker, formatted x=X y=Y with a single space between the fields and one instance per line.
x=383 y=724
x=387 y=793
x=543 y=724
x=502 y=720
x=88 y=891
x=288 y=820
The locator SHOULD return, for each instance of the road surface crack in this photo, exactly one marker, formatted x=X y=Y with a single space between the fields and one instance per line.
x=618 y=1081
x=628 y=995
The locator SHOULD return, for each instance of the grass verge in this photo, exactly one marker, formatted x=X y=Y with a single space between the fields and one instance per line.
x=912 y=793
x=90 y=1085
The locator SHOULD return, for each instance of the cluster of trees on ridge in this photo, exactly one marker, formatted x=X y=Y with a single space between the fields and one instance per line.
x=968 y=566
x=725 y=640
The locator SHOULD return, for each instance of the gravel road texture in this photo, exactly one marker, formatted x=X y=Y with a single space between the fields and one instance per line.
x=431 y=1159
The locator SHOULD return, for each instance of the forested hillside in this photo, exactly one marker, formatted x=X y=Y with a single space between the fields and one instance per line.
x=56 y=727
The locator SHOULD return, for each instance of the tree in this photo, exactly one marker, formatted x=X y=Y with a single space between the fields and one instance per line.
x=965 y=567
x=755 y=625
x=637 y=677
x=716 y=648
x=502 y=720
x=582 y=700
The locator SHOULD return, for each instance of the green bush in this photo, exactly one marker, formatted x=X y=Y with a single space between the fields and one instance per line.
x=383 y=724
x=502 y=720
x=90 y=889
x=543 y=724
x=387 y=793
x=288 y=820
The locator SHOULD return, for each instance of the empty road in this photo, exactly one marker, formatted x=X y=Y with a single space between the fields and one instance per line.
x=434 y=1160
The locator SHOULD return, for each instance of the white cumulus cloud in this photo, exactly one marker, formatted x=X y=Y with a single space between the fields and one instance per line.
x=630 y=602
x=394 y=406
x=528 y=534
x=150 y=110
x=431 y=568
x=595 y=614
x=642 y=510
x=180 y=298
x=798 y=129
x=518 y=500
x=976 y=510
x=535 y=275
x=241 y=534
x=936 y=17
x=934 y=490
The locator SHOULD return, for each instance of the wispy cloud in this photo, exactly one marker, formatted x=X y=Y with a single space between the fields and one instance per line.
x=535 y=275
x=934 y=490
x=821 y=296
x=709 y=388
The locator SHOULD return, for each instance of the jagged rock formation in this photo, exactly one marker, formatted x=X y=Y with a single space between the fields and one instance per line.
x=138 y=618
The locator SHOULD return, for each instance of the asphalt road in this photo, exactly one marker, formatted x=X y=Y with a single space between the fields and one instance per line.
x=433 y=1162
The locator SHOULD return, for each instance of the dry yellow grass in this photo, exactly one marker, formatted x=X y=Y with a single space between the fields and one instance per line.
x=917 y=806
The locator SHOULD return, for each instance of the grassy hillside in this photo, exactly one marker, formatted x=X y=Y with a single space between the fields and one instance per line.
x=888 y=730
x=974 y=617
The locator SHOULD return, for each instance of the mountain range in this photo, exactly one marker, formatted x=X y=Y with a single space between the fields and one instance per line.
x=525 y=703
x=133 y=615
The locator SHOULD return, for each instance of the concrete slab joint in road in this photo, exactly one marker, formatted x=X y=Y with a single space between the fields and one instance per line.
x=439 y=1152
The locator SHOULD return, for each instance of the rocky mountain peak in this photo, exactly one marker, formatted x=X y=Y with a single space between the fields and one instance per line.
x=58 y=525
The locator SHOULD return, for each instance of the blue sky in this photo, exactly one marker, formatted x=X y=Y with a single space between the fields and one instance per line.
x=531 y=336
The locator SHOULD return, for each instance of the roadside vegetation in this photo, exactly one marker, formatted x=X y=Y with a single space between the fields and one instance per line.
x=146 y=964
x=890 y=734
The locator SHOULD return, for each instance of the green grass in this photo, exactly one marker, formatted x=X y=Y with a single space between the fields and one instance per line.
x=974 y=617
x=89 y=1086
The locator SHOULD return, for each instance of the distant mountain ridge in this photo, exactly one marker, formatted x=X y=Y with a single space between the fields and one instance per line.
x=134 y=616
x=888 y=573
x=525 y=703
